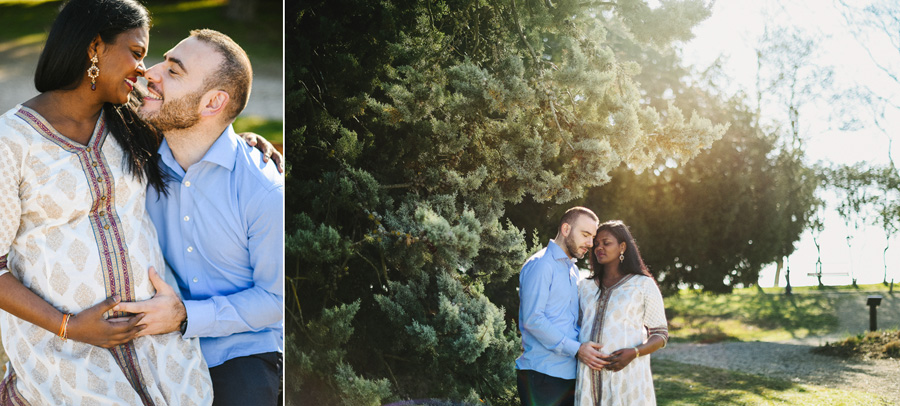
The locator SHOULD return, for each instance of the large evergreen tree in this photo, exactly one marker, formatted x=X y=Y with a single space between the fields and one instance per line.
x=413 y=126
x=714 y=222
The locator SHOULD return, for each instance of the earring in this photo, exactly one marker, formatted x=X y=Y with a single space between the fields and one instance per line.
x=93 y=72
x=621 y=257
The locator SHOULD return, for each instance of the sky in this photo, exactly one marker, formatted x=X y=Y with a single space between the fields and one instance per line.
x=733 y=32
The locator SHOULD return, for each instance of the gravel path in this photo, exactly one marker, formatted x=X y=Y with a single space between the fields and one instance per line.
x=793 y=360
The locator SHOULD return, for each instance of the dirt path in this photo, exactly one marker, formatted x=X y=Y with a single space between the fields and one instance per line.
x=793 y=360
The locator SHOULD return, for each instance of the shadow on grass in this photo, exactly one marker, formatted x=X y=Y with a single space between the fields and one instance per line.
x=683 y=384
x=749 y=315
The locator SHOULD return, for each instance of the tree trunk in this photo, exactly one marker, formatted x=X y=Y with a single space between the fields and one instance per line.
x=241 y=10
x=778 y=270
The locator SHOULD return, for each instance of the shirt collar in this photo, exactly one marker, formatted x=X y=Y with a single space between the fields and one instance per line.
x=558 y=252
x=222 y=152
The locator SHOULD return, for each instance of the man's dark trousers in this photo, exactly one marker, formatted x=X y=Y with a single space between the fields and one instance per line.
x=537 y=389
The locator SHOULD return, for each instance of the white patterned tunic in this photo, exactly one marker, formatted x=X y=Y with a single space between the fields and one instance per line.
x=628 y=312
x=74 y=230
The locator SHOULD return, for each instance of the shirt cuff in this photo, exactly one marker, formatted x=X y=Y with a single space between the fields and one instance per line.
x=569 y=347
x=201 y=317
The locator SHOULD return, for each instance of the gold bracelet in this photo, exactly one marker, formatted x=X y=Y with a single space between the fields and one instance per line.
x=637 y=352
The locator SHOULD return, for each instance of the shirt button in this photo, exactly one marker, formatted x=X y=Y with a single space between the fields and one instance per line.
x=186 y=218
x=196 y=280
x=190 y=249
x=106 y=227
x=187 y=183
x=88 y=149
x=94 y=164
x=102 y=212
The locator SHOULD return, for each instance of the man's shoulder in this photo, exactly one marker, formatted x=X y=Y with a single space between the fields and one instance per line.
x=542 y=259
x=250 y=167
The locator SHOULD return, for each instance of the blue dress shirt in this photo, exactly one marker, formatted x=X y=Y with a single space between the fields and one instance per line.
x=221 y=229
x=548 y=313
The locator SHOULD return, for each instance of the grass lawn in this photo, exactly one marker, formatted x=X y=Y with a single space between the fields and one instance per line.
x=682 y=384
x=759 y=314
x=271 y=129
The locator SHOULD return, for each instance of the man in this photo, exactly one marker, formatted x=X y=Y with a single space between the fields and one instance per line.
x=221 y=223
x=548 y=315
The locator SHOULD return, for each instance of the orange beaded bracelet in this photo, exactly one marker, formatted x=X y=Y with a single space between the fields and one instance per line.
x=63 y=328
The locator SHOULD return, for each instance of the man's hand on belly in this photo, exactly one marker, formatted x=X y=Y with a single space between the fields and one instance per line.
x=163 y=313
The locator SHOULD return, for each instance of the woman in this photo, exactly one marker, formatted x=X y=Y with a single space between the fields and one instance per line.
x=622 y=309
x=75 y=162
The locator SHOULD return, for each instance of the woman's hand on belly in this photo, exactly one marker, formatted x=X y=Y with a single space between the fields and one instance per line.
x=91 y=327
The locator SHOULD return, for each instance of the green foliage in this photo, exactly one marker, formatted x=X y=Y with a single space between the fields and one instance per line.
x=326 y=341
x=870 y=345
x=414 y=126
x=714 y=222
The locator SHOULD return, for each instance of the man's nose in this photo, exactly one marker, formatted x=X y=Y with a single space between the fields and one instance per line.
x=152 y=74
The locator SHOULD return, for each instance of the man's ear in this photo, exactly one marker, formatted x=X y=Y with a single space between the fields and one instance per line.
x=565 y=229
x=215 y=103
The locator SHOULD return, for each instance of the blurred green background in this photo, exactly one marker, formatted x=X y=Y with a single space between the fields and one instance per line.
x=26 y=23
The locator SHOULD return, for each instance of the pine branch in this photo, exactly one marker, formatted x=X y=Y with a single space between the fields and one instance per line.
x=599 y=3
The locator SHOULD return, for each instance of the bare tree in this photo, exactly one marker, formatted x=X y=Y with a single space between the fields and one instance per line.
x=790 y=77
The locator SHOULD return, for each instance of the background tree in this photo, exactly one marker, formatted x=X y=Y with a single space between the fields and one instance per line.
x=241 y=10
x=789 y=78
x=414 y=125
x=856 y=189
x=714 y=222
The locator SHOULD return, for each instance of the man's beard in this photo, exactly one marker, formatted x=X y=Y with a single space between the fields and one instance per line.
x=177 y=114
x=573 y=247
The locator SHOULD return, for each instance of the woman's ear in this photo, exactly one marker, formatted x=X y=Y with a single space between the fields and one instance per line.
x=96 y=47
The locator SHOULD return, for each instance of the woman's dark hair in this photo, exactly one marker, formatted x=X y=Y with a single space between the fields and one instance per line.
x=632 y=264
x=64 y=61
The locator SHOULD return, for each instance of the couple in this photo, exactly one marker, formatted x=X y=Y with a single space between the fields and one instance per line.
x=586 y=341
x=94 y=203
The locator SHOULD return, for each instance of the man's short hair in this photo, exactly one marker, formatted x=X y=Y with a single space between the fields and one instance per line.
x=574 y=213
x=235 y=76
